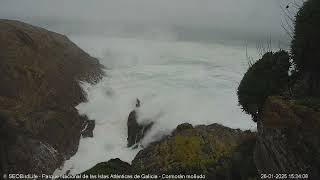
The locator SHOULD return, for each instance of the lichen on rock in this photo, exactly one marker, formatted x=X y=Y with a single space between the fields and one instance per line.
x=203 y=149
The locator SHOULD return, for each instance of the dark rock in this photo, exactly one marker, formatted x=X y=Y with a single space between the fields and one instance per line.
x=307 y=84
x=136 y=131
x=213 y=150
x=288 y=138
x=242 y=162
x=40 y=73
x=88 y=128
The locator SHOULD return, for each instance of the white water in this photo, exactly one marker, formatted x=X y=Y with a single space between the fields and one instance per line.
x=176 y=82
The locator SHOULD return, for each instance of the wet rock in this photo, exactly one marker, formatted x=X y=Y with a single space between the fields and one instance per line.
x=88 y=128
x=40 y=73
x=136 y=131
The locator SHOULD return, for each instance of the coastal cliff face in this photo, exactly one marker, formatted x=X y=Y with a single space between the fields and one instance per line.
x=40 y=128
x=40 y=73
x=289 y=137
x=289 y=123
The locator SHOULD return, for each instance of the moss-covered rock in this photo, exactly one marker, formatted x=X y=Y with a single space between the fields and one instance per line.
x=113 y=166
x=266 y=77
x=182 y=127
x=207 y=150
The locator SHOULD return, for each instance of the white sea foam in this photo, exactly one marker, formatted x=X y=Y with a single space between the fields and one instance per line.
x=176 y=82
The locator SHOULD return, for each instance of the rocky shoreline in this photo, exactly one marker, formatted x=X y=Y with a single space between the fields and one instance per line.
x=285 y=106
x=39 y=127
x=40 y=73
x=213 y=151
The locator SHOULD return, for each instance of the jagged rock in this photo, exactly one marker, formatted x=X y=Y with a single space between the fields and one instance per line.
x=214 y=150
x=136 y=131
x=40 y=73
x=289 y=137
x=88 y=127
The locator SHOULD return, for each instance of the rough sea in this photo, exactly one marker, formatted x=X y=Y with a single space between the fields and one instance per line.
x=175 y=81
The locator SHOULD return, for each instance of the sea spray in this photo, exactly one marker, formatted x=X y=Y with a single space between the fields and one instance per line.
x=176 y=82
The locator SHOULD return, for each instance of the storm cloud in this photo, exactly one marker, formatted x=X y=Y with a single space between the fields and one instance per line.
x=184 y=19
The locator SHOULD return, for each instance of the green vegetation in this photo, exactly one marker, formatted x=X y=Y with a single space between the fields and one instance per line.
x=216 y=151
x=184 y=126
x=193 y=153
x=268 y=76
x=113 y=166
x=305 y=44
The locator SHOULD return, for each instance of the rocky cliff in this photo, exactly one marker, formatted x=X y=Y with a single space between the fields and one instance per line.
x=285 y=107
x=289 y=120
x=289 y=137
x=40 y=73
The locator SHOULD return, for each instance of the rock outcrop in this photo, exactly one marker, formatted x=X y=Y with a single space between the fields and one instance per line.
x=136 y=131
x=289 y=137
x=40 y=73
x=113 y=166
x=88 y=127
x=215 y=151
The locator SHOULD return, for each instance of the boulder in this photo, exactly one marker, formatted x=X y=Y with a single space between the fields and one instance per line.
x=215 y=151
x=40 y=72
x=113 y=166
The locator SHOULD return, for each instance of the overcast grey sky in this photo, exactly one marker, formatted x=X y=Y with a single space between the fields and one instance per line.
x=201 y=19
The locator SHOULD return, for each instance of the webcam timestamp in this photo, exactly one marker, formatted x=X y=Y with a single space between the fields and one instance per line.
x=284 y=176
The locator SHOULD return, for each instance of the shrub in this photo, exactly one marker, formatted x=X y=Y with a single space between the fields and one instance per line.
x=305 y=44
x=266 y=77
